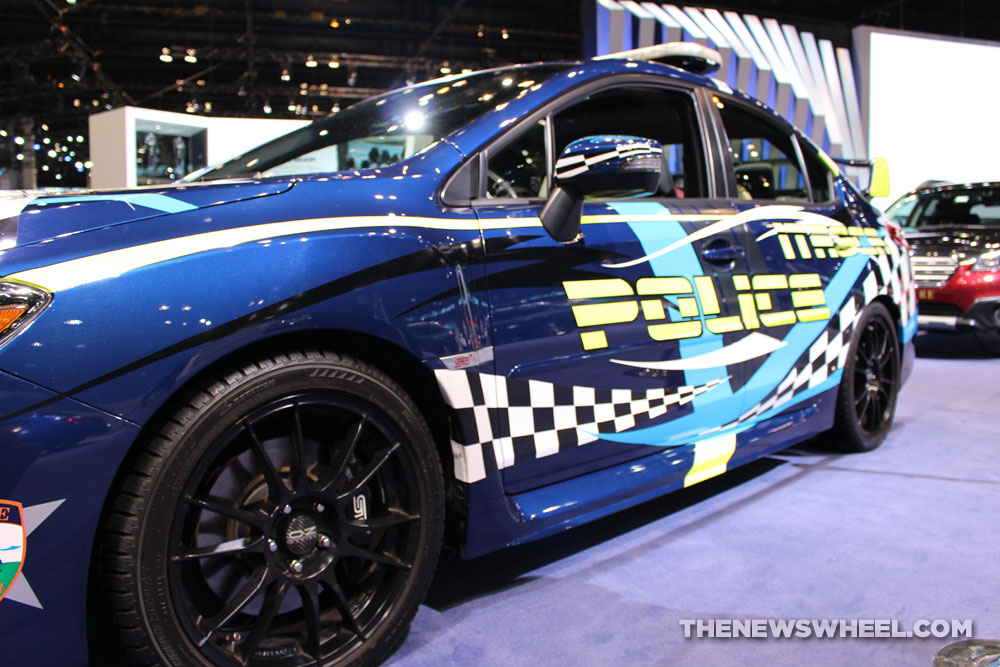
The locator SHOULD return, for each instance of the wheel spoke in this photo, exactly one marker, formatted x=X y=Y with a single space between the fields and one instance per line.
x=862 y=410
x=354 y=550
x=329 y=577
x=274 y=482
x=310 y=609
x=882 y=341
x=272 y=602
x=862 y=354
x=223 y=507
x=231 y=548
x=255 y=583
x=299 y=467
x=373 y=467
x=343 y=454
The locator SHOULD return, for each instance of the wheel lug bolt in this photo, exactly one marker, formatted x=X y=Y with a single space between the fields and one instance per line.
x=272 y=545
x=323 y=541
x=287 y=509
x=295 y=566
x=320 y=507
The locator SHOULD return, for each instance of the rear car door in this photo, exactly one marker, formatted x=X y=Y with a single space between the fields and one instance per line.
x=807 y=248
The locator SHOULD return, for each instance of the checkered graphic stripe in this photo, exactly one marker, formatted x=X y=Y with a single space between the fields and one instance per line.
x=892 y=275
x=826 y=355
x=518 y=420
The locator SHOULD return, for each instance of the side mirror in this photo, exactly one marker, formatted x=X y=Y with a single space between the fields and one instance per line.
x=879 y=186
x=615 y=165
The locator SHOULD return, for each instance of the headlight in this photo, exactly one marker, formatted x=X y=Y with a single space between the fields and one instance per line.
x=19 y=305
x=988 y=261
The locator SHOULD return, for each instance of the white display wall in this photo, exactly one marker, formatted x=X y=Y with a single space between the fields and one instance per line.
x=932 y=106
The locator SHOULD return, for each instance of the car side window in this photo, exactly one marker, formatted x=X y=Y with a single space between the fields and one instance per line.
x=651 y=113
x=518 y=170
x=765 y=160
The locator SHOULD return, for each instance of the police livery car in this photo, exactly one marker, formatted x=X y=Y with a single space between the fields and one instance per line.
x=241 y=415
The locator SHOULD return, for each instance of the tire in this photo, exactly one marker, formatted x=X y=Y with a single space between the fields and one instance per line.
x=866 y=399
x=289 y=513
x=989 y=341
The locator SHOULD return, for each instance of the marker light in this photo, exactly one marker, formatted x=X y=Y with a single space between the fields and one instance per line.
x=19 y=305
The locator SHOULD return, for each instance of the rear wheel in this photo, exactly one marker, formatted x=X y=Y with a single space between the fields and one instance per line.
x=866 y=401
x=288 y=514
x=989 y=341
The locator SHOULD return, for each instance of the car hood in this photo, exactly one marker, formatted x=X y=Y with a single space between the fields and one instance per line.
x=30 y=217
x=965 y=241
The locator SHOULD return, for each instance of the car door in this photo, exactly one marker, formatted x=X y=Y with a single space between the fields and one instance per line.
x=806 y=252
x=611 y=345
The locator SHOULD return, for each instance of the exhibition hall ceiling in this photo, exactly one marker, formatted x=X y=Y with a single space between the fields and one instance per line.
x=64 y=60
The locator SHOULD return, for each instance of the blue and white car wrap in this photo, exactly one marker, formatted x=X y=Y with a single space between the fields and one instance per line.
x=572 y=380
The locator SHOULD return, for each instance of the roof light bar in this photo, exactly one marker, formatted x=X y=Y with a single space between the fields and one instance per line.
x=689 y=56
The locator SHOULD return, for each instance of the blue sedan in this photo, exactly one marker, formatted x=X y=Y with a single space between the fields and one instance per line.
x=241 y=415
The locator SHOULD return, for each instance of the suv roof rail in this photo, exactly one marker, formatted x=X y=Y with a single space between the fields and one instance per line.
x=696 y=58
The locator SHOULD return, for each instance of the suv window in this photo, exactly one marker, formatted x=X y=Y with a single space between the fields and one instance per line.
x=765 y=159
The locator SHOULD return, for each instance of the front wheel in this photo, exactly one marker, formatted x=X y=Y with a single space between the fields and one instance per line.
x=289 y=513
x=866 y=400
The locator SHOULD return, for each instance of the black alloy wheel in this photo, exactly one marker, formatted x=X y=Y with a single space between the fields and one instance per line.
x=866 y=401
x=293 y=519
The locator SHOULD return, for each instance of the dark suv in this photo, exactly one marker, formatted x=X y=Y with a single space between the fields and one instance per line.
x=954 y=235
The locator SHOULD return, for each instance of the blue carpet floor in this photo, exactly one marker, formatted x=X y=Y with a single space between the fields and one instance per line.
x=907 y=532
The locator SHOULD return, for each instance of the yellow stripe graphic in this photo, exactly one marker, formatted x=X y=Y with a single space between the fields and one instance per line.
x=710 y=458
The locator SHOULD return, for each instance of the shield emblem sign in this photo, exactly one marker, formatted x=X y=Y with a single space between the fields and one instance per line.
x=11 y=543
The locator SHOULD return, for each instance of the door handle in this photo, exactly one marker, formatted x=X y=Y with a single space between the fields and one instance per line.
x=722 y=254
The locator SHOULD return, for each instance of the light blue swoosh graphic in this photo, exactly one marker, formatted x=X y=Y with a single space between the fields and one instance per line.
x=692 y=427
x=153 y=201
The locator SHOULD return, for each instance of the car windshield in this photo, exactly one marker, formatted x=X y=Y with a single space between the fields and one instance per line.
x=383 y=130
x=973 y=206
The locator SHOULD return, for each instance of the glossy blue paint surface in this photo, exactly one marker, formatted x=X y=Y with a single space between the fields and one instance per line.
x=377 y=254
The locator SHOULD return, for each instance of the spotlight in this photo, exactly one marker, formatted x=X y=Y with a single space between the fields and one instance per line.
x=190 y=56
x=311 y=62
x=165 y=55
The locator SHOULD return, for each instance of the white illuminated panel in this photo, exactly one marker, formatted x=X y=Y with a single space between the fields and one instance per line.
x=764 y=73
x=805 y=72
x=932 y=108
x=689 y=26
x=647 y=24
x=784 y=96
x=850 y=88
x=616 y=26
x=823 y=93
x=715 y=37
x=744 y=68
x=799 y=89
x=672 y=28
x=836 y=95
